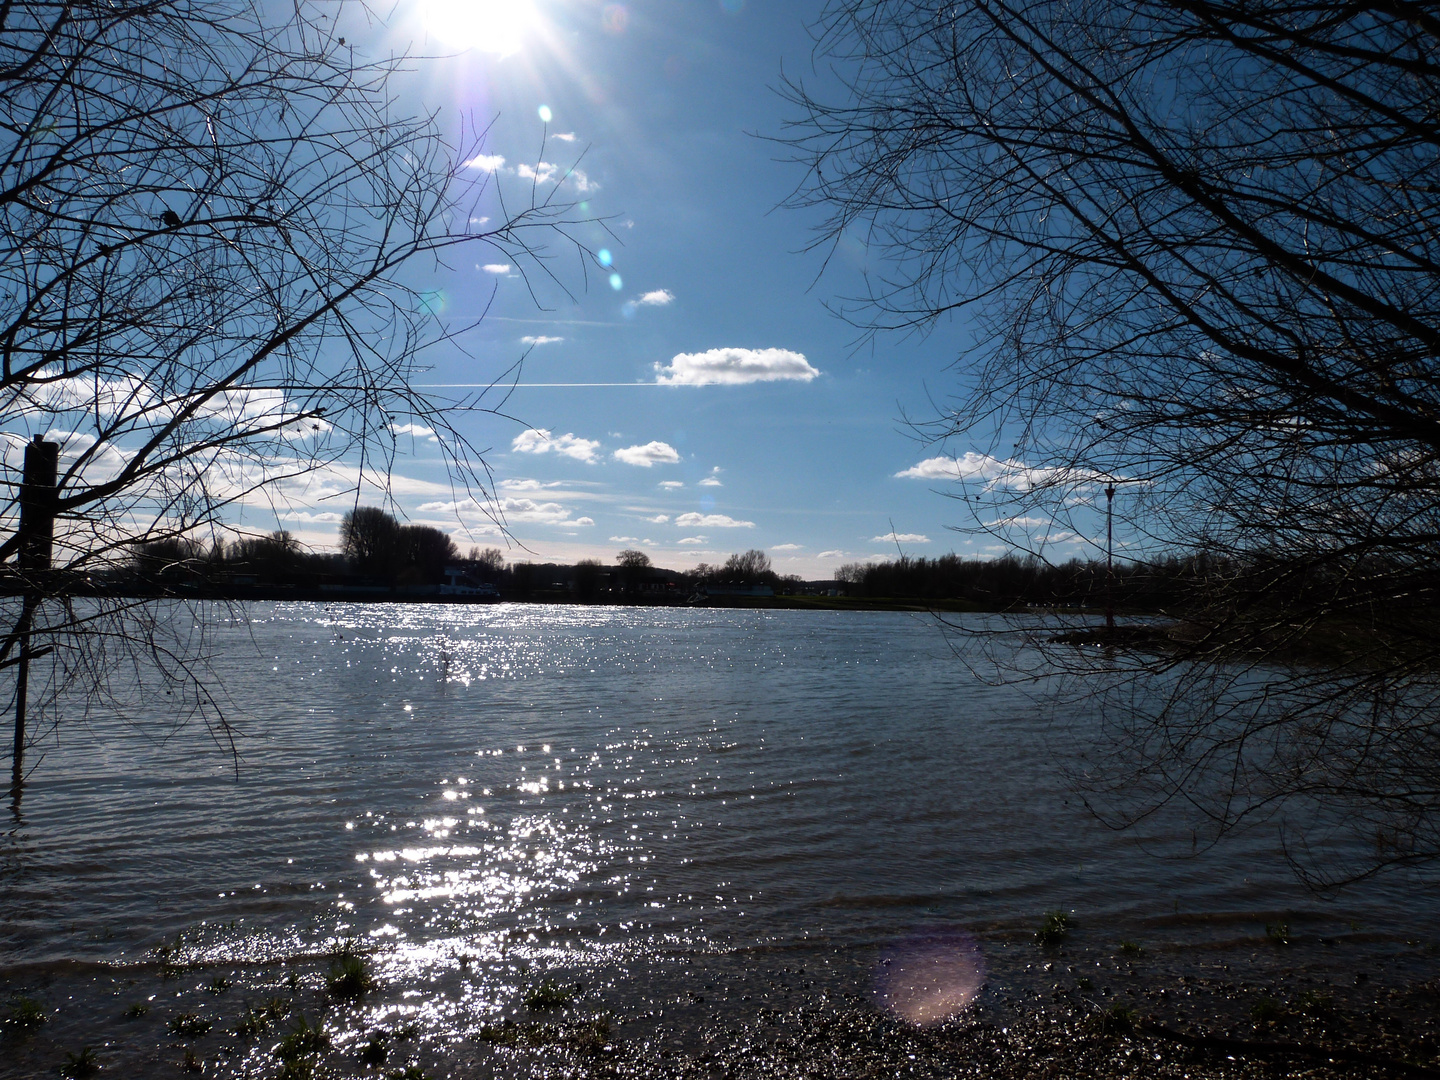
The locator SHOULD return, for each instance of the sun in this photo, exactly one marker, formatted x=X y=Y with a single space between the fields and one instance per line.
x=492 y=26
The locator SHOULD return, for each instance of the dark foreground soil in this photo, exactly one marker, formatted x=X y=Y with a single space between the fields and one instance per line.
x=1185 y=1028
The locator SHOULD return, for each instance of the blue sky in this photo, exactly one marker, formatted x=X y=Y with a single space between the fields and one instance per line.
x=745 y=417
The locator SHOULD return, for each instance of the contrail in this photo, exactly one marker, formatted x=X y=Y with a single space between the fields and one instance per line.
x=507 y=386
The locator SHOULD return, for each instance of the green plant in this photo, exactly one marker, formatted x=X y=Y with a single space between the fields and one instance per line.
x=1084 y=983
x=1130 y=948
x=218 y=985
x=1315 y=1003
x=1053 y=928
x=1279 y=933
x=137 y=1010
x=376 y=1049
x=410 y=1072
x=258 y=1021
x=80 y=1065
x=548 y=994
x=1118 y=1020
x=349 y=977
x=24 y=1016
x=1267 y=1010
x=189 y=1026
x=302 y=1041
x=191 y=1062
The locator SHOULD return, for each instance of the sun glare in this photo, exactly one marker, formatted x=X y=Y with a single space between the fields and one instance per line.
x=492 y=26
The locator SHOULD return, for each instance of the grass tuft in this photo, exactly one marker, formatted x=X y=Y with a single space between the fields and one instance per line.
x=548 y=994
x=189 y=1025
x=349 y=977
x=78 y=1066
x=1053 y=928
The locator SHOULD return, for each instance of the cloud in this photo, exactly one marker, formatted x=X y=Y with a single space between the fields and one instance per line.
x=326 y=518
x=672 y=484
x=496 y=268
x=486 y=162
x=994 y=472
x=563 y=136
x=652 y=453
x=900 y=538
x=734 y=367
x=546 y=172
x=624 y=539
x=540 y=441
x=657 y=298
x=510 y=509
x=711 y=521
x=1023 y=522
x=787 y=547
x=418 y=431
x=694 y=540
x=529 y=485
x=541 y=340
x=831 y=555
x=658 y=519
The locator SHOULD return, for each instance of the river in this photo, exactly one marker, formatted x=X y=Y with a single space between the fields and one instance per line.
x=673 y=809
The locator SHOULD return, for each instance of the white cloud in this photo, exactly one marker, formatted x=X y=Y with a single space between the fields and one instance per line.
x=508 y=509
x=658 y=519
x=1022 y=522
x=480 y=220
x=545 y=172
x=486 y=162
x=657 y=298
x=540 y=441
x=326 y=518
x=831 y=555
x=711 y=521
x=787 y=547
x=672 y=484
x=651 y=453
x=900 y=538
x=541 y=339
x=624 y=539
x=418 y=431
x=993 y=472
x=713 y=480
x=734 y=367
x=563 y=136
x=496 y=268
x=694 y=540
x=528 y=485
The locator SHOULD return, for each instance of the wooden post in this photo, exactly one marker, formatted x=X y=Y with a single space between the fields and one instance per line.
x=1110 y=557
x=37 y=538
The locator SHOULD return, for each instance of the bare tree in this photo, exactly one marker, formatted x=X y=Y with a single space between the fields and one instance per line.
x=206 y=219
x=1199 y=244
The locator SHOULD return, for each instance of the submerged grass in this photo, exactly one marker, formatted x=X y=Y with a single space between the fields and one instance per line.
x=1053 y=928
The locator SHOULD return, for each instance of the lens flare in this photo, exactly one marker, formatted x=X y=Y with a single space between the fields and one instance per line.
x=929 y=979
x=616 y=283
x=604 y=257
x=545 y=114
x=614 y=19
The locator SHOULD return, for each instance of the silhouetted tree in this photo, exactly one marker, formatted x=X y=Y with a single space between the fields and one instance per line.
x=1199 y=241
x=206 y=212
x=370 y=540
